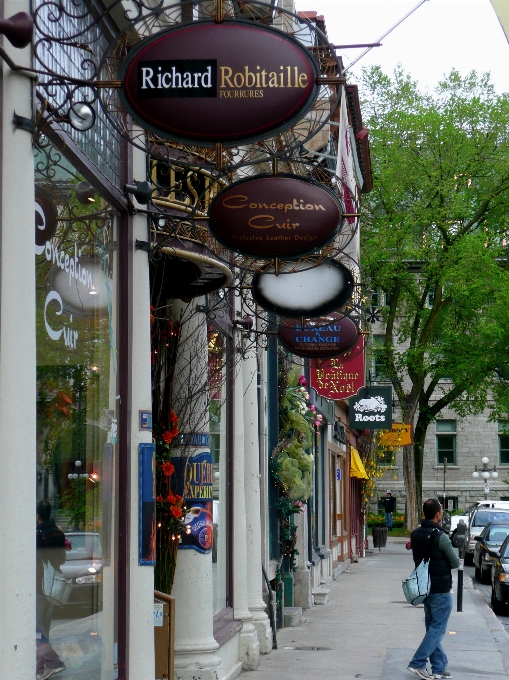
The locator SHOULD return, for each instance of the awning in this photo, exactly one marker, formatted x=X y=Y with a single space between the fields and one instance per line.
x=356 y=465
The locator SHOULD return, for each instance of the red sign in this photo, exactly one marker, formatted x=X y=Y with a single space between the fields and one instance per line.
x=233 y=82
x=267 y=216
x=324 y=337
x=340 y=377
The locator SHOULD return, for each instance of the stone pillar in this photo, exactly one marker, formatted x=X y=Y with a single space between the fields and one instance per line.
x=252 y=503
x=195 y=647
x=302 y=575
x=17 y=368
x=249 y=647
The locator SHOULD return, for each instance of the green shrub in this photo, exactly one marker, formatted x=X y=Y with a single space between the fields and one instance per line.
x=376 y=520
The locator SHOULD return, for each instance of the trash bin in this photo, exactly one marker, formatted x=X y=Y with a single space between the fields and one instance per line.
x=379 y=537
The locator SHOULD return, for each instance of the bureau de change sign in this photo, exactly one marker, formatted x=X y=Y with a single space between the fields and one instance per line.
x=282 y=216
x=371 y=409
x=323 y=337
x=234 y=82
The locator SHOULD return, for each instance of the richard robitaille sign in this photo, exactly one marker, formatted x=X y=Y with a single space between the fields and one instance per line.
x=233 y=82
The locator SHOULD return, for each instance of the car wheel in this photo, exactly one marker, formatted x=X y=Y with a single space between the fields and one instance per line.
x=497 y=606
x=478 y=574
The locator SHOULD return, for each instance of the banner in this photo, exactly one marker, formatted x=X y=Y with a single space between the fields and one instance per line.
x=339 y=377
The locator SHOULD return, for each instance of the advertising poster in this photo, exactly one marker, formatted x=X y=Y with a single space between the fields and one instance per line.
x=195 y=475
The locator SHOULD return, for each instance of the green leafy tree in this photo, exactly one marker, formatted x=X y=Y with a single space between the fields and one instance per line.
x=434 y=239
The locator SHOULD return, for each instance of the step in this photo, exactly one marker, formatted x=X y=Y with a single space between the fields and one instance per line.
x=292 y=617
x=320 y=595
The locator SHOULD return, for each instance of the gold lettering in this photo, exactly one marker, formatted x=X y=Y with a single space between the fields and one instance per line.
x=241 y=197
x=273 y=79
x=253 y=221
x=225 y=76
x=303 y=80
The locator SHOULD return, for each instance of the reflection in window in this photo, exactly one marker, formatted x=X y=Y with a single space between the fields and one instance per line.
x=76 y=287
x=217 y=425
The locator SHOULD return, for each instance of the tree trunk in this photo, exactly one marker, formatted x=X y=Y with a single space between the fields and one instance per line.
x=412 y=515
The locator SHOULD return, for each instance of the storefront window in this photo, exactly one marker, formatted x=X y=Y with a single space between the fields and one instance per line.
x=76 y=294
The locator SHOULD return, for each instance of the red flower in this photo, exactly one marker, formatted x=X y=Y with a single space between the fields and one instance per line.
x=167 y=437
x=171 y=498
x=176 y=511
x=168 y=468
x=178 y=499
x=174 y=432
x=159 y=499
x=173 y=417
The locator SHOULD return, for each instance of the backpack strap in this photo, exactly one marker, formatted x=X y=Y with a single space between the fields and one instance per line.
x=427 y=554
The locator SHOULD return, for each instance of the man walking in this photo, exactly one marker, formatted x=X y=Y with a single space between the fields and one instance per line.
x=438 y=604
x=389 y=504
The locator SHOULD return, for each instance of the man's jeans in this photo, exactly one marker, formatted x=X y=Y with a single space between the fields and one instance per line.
x=437 y=608
x=388 y=519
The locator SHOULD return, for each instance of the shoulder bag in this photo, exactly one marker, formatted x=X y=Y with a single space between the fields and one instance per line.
x=55 y=586
x=417 y=586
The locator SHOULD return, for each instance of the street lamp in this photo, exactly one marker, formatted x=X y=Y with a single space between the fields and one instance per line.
x=486 y=473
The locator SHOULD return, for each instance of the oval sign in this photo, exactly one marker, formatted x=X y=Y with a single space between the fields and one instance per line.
x=46 y=216
x=282 y=216
x=307 y=293
x=324 y=337
x=234 y=82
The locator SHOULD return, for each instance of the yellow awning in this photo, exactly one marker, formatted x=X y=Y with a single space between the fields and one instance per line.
x=356 y=465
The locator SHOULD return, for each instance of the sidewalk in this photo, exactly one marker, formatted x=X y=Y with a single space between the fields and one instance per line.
x=369 y=631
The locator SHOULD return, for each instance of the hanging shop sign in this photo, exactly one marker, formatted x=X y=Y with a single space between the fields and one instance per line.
x=195 y=475
x=186 y=275
x=339 y=377
x=309 y=293
x=324 y=337
x=232 y=82
x=400 y=434
x=282 y=216
x=371 y=409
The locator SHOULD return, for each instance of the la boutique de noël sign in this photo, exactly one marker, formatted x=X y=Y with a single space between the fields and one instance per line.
x=205 y=83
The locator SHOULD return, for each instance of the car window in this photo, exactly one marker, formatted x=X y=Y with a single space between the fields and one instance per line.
x=497 y=534
x=481 y=519
x=84 y=547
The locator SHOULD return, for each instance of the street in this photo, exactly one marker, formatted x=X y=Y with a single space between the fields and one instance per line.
x=485 y=591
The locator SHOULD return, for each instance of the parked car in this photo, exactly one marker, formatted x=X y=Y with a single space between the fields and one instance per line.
x=491 y=538
x=480 y=517
x=84 y=565
x=500 y=578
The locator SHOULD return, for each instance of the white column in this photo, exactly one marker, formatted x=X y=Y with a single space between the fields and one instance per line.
x=141 y=578
x=249 y=647
x=17 y=370
x=195 y=647
x=252 y=503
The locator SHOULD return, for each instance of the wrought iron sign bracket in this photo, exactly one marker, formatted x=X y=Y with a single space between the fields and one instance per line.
x=22 y=123
x=142 y=245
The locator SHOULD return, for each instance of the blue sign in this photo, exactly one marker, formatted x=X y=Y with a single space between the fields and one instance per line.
x=147 y=521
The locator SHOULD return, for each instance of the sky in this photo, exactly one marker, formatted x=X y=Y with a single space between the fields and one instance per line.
x=439 y=36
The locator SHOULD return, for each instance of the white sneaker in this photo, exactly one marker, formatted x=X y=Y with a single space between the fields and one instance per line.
x=421 y=673
x=444 y=674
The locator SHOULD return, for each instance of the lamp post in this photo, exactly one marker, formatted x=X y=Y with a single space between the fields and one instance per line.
x=486 y=473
